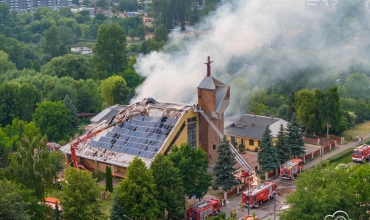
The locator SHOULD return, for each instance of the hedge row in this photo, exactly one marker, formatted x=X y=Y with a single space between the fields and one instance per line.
x=341 y=155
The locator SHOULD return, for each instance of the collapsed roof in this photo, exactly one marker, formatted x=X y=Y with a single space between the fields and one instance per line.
x=140 y=130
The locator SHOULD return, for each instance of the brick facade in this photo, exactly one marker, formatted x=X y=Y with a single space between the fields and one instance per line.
x=208 y=138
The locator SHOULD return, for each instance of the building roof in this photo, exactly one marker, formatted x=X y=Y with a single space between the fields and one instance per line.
x=140 y=130
x=211 y=83
x=252 y=126
x=108 y=113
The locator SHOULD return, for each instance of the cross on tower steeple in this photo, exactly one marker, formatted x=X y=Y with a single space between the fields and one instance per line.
x=209 y=66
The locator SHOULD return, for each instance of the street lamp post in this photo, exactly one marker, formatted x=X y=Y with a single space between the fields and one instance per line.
x=249 y=194
x=274 y=207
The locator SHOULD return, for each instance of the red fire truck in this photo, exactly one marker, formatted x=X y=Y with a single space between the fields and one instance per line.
x=242 y=176
x=259 y=194
x=204 y=209
x=291 y=168
x=361 y=153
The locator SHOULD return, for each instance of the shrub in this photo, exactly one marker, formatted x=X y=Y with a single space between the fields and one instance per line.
x=256 y=149
x=262 y=176
x=241 y=148
x=222 y=215
x=99 y=176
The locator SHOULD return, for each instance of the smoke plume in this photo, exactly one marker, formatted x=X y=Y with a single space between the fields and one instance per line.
x=233 y=30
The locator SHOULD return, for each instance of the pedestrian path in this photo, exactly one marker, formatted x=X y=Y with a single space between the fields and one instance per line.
x=335 y=151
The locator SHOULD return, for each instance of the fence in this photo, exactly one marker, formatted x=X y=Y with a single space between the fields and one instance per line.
x=234 y=190
x=326 y=145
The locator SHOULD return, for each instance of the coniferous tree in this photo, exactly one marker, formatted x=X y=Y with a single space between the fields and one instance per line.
x=117 y=209
x=267 y=156
x=283 y=149
x=170 y=187
x=108 y=179
x=295 y=139
x=68 y=102
x=224 y=167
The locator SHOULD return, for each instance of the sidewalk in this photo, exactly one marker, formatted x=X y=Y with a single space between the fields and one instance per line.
x=337 y=150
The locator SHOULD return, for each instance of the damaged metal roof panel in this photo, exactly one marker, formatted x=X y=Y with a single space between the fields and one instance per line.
x=143 y=131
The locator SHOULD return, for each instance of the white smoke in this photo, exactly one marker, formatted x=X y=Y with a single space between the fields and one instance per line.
x=234 y=30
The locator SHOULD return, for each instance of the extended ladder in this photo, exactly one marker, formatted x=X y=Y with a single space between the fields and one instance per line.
x=238 y=157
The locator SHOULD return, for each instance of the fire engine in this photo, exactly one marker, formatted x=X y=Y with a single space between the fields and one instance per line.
x=250 y=217
x=204 y=209
x=291 y=168
x=361 y=153
x=242 y=176
x=259 y=194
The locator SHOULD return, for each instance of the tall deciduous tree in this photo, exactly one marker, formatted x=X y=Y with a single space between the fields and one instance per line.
x=57 y=160
x=333 y=111
x=31 y=165
x=69 y=104
x=10 y=106
x=110 y=54
x=283 y=148
x=267 y=156
x=295 y=139
x=54 y=119
x=224 y=167
x=5 y=63
x=13 y=203
x=108 y=179
x=304 y=107
x=193 y=166
x=170 y=187
x=137 y=192
x=161 y=33
x=330 y=190
x=51 y=41
x=80 y=195
x=114 y=90
x=29 y=96
x=75 y=66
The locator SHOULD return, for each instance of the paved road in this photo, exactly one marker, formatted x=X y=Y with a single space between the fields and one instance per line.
x=266 y=211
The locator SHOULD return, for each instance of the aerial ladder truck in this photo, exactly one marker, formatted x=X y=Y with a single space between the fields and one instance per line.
x=249 y=171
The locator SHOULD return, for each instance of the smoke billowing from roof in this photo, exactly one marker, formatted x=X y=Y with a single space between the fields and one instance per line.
x=237 y=29
x=233 y=30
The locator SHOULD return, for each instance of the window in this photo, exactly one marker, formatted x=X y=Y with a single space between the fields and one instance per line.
x=193 y=119
x=233 y=139
x=214 y=147
x=192 y=134
x=251 y=142
x=242 y=142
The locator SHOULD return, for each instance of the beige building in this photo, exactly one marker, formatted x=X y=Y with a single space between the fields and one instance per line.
x=248 y=129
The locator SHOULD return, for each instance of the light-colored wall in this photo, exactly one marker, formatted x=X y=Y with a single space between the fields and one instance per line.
x=249 y=147
x=183 y=138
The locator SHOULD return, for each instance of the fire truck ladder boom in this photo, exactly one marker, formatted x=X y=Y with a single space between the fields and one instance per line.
x=238 y=158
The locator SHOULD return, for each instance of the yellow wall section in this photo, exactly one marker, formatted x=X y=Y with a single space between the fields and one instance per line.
x=246 y=142
x=183 y=138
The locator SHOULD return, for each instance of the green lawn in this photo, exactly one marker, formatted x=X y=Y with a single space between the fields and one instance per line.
x=358 y=130
x=106 y=205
